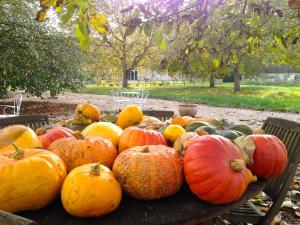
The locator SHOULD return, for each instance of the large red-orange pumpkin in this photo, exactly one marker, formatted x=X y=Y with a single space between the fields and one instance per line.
x=135 y=136
x=149 y=172
x=47 y=136
x=76 y=151
x=269 y=157
x=215 y=170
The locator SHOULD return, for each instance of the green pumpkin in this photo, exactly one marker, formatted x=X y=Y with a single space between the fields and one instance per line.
x=195 y=125
x=230 y=134
x=241 y=128
x=209 y=129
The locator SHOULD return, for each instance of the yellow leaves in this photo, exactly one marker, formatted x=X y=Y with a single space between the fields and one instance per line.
x=216 y=63
x=99 y=22
x=41 y=16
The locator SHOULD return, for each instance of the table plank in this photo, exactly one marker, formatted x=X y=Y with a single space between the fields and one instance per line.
x=181 y=208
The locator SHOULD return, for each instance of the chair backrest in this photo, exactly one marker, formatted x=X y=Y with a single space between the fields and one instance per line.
x=289 y=133
x=17 y=104
x=32 y=121
x=162 y=115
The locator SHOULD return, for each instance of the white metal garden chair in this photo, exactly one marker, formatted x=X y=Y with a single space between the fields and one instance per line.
x=141 y=99
x=120 y=98
x=16 y=107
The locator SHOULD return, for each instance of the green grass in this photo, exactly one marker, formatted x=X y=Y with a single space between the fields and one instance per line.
x=253 y=96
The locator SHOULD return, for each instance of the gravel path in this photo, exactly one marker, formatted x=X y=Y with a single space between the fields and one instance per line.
x=254 y=118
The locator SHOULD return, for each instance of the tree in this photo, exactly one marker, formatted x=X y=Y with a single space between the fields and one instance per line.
x=37 y=57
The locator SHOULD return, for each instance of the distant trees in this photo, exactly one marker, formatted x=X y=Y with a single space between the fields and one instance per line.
x=36 y=57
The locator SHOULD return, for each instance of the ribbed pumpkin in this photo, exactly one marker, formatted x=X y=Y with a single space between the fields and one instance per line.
x=76 y=151
x=268 y=157
x=134 y=136
x=215 y=170
x=104 y=129
x=151 y=122
x=47 y=136
x=90 y=190
x=29 y=179
x=149 y=172
x=22 y=136
x=88 y=111
x=129 y=116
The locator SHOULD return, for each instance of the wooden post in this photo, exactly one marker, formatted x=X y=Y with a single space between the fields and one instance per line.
x=7 y=218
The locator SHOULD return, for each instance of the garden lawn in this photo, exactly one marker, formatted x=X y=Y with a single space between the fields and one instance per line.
x=252 y=96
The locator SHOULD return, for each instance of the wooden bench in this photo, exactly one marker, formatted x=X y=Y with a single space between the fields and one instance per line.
x=277 y=188
x=32 y=121
x=162 y=115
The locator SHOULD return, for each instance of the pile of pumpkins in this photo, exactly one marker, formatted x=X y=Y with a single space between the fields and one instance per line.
x=135 y=154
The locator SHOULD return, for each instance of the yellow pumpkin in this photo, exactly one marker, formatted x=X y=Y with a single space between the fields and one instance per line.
x=90 y=190
x=129 y=116
x=172 y=132
x=29 y=179
x=22 y=136
x=104 y=129
x=88 y=111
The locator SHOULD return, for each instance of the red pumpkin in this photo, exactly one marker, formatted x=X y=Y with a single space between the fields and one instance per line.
x=48 y=136
x=134 y=136
x=215 y=170
x=269 y=157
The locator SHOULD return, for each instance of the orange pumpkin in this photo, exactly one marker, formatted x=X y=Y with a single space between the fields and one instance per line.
x=29 y=179
x=149 y=172
x=78 y=151
x=182 y=120
x=134 y=136
x=215 y=169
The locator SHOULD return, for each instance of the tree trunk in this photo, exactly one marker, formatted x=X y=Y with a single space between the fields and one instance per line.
x=236 y=79
x=212 y=81
x=125 y=78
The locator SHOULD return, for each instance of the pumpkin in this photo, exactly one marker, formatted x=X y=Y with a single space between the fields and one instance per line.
x=266 y=155
x=80 y=200
x=135 y=136
x=129 y=116
x=172 y=132
x=88 y=111
x=215 y=170
x=151 y=122
x=29 y=179
x=211 y=121
x=104 y=129
x=76 y=151
x=22 y=136
x=184 y=141
x=47 y=136
x=149 y=172
x=182 y=120
x=195 y=125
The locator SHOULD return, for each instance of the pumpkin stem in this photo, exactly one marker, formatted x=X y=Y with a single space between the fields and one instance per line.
x=18 y=154
x=41 y=131
x=237 y=164
x=95 y=169
x=78 y=135
x=145 y=149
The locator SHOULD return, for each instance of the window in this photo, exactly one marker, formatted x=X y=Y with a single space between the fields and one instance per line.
x=133 y=75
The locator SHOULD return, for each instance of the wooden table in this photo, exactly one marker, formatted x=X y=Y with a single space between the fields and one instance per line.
x=181 y=208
